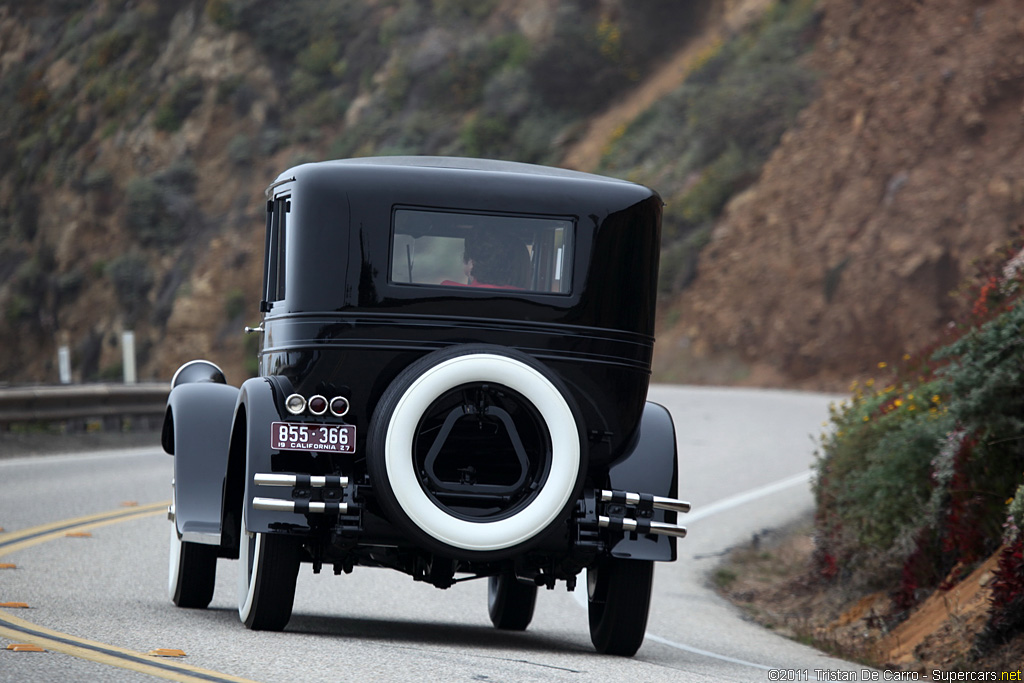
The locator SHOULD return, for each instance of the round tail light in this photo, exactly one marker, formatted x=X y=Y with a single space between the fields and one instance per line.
x=295 y=404
x=318 y=405
x=339 y=406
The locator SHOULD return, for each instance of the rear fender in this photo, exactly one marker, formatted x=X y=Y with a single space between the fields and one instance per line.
x=197 y=430
x=259 y=399
x=651 y=466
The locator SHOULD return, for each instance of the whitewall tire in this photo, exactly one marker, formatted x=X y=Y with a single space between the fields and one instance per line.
x=268 y=567
x=553 y=481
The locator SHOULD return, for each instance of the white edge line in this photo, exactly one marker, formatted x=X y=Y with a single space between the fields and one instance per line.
x=748 y=496
x=705 y=653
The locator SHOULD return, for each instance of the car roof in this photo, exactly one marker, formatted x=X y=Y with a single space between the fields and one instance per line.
x=451 y=163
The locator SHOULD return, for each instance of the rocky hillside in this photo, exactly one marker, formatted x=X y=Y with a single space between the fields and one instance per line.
x=907 y=168
x=138 y=137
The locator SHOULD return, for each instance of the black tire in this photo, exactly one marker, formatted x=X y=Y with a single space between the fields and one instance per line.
x=467 y=399
x=618 y=600
x=510 y=602
x=192 y=572
x=268 y=567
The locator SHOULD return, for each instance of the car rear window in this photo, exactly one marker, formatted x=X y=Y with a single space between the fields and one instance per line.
x=481 y=251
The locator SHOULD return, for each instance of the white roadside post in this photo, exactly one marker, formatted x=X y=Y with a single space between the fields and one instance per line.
x=63 y=358
x=128 y=356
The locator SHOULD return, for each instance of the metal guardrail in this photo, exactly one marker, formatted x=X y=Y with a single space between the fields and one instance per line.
x=56 y=403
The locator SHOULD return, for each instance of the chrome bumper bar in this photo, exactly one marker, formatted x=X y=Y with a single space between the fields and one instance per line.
x=300 y=481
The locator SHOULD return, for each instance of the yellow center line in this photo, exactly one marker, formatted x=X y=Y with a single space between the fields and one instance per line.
x=22 y=631
x=48 y=532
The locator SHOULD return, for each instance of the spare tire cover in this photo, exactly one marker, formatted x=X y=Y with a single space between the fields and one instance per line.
x=394 y=428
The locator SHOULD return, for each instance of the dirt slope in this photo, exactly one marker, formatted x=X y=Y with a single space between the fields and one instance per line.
x=907 y=168
x=772 y=581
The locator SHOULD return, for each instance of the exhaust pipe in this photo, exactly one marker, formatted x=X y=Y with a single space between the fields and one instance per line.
x=312 y=481
x=636 y=500
x=641 y=526
x=300 y=506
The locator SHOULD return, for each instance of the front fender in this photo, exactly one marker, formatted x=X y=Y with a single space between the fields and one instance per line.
x=651 y=466
x=199 y=420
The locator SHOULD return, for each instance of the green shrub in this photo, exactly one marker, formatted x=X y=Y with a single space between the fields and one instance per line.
x=184 y=97
x=320 y=57
x=718 y=182
x=235 y=304
x=570 y=72
x=327 y=108
x=221 y=13
x=107 y=48
x=679 y=259
x=240 y=149
x=449 y=10
x=132 y=279
x=229 y=87
x=483 y=135
x=924 y=473
x=158 y=208
x=405 y=20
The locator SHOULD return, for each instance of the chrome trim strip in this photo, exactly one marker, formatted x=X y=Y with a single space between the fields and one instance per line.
x=273 y=186
x=201 y=537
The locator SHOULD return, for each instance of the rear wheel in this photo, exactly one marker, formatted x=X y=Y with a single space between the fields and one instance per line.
x=510 y=603
x=619 y=597
x=191 y=572
x=268 y=567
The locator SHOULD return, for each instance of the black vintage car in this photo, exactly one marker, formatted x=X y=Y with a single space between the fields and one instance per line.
x=454 y=363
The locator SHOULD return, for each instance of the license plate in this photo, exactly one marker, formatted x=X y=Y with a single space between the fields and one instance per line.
x=297 y=436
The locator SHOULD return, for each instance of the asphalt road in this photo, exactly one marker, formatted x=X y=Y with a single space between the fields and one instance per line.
x=98 y=603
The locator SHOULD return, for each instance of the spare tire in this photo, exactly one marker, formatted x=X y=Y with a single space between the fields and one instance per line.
x=475 y=450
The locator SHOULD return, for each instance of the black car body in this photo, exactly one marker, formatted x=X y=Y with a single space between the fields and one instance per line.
x=454 y=363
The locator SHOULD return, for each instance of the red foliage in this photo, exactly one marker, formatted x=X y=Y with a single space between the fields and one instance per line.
x=988 y=290
x=828 y=567
x=964 y=535
x=922 y=570
x=1008 y=588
